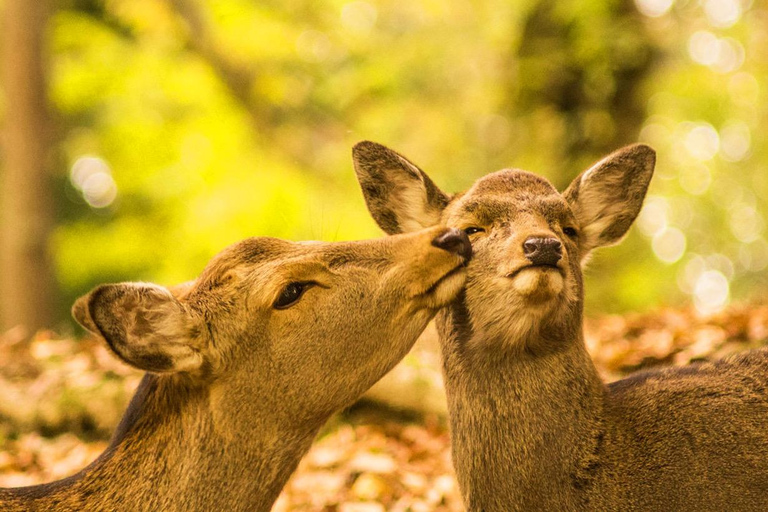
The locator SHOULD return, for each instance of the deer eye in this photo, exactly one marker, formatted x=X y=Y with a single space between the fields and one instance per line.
x=472 y=230
x=571 y=232
x=291 y=295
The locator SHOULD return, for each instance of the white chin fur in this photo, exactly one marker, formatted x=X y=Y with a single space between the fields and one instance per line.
x=513 y=308
x=538 y=285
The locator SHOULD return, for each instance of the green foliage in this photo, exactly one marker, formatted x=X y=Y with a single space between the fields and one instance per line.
x=241 y=124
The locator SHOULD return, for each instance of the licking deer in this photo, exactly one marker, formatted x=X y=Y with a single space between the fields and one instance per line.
x=533 y=427
x=245 y=365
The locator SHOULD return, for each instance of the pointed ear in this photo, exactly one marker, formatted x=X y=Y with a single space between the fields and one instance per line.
x=607 y=197
x=144 y=325
x=399 y=195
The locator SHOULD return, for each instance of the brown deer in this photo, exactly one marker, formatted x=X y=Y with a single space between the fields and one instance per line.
x=533 y=426
x=246 y=364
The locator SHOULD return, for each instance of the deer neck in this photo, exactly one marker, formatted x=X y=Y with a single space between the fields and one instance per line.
x=526 y=422
x=170 y=452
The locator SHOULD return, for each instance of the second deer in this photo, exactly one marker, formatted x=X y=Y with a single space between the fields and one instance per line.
x=533 y=427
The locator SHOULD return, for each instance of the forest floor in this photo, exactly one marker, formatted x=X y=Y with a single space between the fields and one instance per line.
x=61 y=398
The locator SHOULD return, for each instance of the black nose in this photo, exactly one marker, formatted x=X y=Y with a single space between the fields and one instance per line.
x=543 y=251
x=455 y=241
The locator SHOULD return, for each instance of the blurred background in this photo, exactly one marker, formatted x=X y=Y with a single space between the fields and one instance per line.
x=142 y=136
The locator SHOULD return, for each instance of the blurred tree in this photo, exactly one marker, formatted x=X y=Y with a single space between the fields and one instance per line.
x=584 y=63
x=27 y=286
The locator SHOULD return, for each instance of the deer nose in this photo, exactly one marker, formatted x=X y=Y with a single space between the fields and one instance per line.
x=543 y=251
x=455 y=241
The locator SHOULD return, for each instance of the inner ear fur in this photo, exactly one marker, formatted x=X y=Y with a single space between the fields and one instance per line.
x=400 y=196
x=607 y=197
x=145 y=326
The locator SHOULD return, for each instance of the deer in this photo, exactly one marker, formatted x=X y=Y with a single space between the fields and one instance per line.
x=246 y=363
x=533 y=426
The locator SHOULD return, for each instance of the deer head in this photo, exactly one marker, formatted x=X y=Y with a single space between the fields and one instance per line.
x=306 y=327
x=528 y=239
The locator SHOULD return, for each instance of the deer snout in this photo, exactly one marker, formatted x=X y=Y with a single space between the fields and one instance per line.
x=543 y=251
x=455 y=241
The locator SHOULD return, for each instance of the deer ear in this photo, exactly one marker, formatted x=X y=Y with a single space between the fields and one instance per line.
x=607 y=197
x=144 y=325
x=399 y=195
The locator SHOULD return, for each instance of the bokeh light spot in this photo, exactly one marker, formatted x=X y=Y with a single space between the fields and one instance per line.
x=703 y=47
x=359 y=16
x=653 y=8
x=84 y=167
x=722 y=55
x=99 y=190
x=722 y=13
x=735 y=141
x=93 y=178
x=711 y=292
x=702 y=141
x=669 y=245
x=746 y=223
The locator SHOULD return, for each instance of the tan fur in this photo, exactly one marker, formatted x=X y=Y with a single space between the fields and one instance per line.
x=239 y=388
x=533 y=426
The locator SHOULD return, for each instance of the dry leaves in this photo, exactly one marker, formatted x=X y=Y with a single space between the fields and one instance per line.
x=622 y=344
x=60 y=399
x=375 y=464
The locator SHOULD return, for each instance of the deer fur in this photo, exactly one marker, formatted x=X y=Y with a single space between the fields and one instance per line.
x=533 y=427
x=238 y=388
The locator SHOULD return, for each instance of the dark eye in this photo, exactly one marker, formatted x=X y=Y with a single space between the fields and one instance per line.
x=290 y=295
x=472 y=230
x=571 y=232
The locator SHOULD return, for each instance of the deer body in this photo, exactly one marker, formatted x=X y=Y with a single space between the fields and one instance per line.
x=678 y=439
x=533 y=427
x=246 y=364
x=182 y=462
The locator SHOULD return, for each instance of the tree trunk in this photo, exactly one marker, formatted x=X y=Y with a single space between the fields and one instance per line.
x=27 y=286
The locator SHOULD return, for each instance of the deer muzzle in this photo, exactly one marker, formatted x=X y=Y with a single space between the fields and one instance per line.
x=542 y=251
